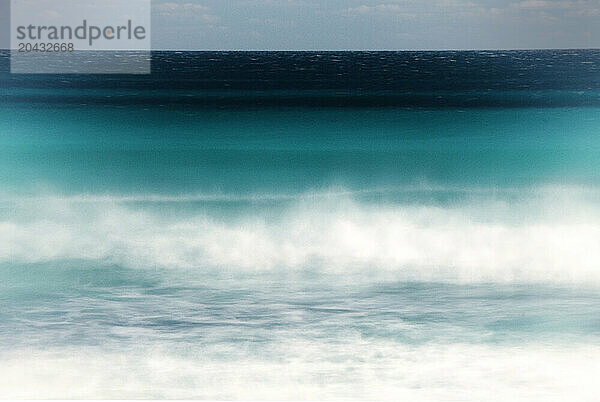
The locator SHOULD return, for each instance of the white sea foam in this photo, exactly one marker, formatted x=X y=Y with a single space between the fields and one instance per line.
x=546 y=239
x=301 y=369
x=325 y=193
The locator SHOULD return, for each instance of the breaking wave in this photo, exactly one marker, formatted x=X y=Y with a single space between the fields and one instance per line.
x=552 y=238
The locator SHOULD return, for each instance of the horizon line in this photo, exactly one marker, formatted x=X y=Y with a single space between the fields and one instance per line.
x=333 y=50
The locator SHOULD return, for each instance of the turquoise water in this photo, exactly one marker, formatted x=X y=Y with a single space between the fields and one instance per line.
x=293 y=150
x=225 y=249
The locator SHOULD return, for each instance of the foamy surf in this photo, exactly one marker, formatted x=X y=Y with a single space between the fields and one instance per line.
x=544 y=238
x=306 y=370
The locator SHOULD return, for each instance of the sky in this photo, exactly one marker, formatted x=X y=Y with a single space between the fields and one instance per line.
x=368 y=24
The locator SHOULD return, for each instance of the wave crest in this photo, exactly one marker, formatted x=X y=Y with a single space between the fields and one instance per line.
x=460 y=243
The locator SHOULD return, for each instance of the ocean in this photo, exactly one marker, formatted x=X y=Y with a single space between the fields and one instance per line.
x=303 y=225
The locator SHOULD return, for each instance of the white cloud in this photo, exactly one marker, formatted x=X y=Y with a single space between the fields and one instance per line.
x=544 y=4
x=381 y=9
x=542 y=8
x=556 y=10
x=549 y=5
x=189 y=10
x=416 y=9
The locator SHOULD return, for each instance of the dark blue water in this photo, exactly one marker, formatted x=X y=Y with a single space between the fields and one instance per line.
x=555 y=78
